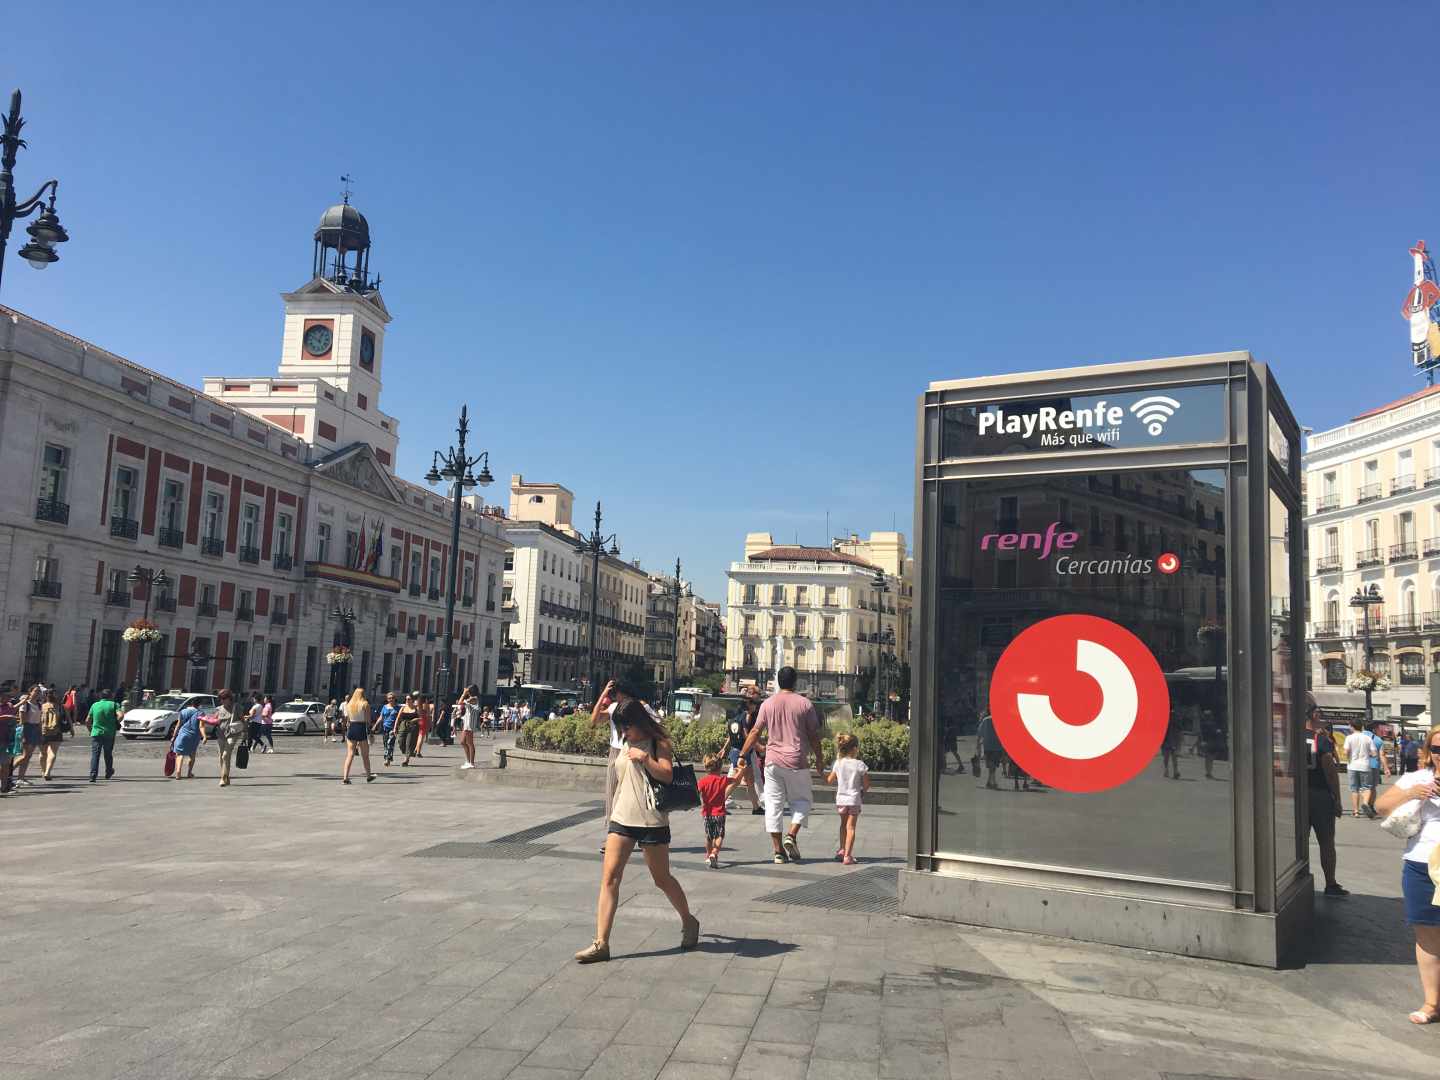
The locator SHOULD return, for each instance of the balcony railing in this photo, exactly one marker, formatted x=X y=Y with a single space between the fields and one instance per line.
x=431 y=635
x=279 y=618
x=1369 y=493
x=412 y=633
x=1327 y=502
x=48 y=588
x=1432 y=476
x=414 y=589
x=164 y=603
x=169 y=538
x=391 y=631
x=1401 y=484
x=212 y=545
x=244 y=614
x=1430 y=546
x=284 y=562
x=1369 y=557
x=124 y=528
x=1327 y=564
x=434 y=594
x=249 y=554
x=1403 y=552
x=467 y=601
x=117 y=597
x=52 y=510
x=1327 y=629
x=207 y=609
x=1430 y=620
x=489 y=605
x=1404 y=624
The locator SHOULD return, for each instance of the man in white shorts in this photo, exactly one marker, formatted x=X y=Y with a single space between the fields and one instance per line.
x=793 y=727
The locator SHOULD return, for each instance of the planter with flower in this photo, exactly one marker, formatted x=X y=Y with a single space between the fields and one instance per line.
x=340 y=654
x=141 y=630
x=1368 y=680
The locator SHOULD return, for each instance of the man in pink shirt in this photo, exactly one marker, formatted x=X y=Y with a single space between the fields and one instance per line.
x=793 y=728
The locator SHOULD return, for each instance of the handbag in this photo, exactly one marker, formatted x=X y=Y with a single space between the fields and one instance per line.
x=242 y=757
x=975 y=765
x=1405 y=820
x=170 y=762
x=681 y=793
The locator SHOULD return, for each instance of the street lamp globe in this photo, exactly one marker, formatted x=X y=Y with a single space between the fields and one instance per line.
x=46 y=230
x=433 y=476
x=485 y=479
x=38 y=256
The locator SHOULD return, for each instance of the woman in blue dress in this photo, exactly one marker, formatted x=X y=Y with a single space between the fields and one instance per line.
x=187 y=740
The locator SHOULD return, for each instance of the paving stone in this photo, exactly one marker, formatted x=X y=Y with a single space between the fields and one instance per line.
x=424 y=1051
x=712 y=1044
x=913 y=1026
x=731 y=1010
x=825 y=1069
x=479 y=1063
x=627 y=1062
x=786 y=1026
x=521 y=1028
x=689 y=1070
x=786 y=993
x=773 y=1061
x=906 y=1061
x=847 y=1042
x=530 y=1072
x=653 y=1029
x=574 y=1049
x=268 y=1057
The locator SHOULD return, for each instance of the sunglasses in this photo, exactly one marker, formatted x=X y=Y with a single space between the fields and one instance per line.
x=1435 y=749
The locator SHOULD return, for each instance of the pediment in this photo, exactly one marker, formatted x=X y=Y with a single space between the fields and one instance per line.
x=357 y=466
x=321 y=287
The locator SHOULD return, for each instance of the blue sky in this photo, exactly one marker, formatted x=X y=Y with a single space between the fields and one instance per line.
x=700 y=263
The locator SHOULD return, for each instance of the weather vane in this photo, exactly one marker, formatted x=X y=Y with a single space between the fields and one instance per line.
x=347 y=180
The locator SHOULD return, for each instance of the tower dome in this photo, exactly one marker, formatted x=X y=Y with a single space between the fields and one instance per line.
x=342 y=248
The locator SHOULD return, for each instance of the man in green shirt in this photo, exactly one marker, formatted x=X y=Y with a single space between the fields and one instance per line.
x=103 y=722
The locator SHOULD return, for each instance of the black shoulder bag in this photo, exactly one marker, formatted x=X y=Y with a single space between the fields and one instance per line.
x=681 y=793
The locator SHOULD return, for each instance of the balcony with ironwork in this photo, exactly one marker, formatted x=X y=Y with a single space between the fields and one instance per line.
x=1369 y=557
x=245 y=614
x=52 y=510
x=412 y=633
x=1430 y=620
x=207 y=609
x=431 y=634
x=248 y=553
x=1405 y=624
x=1327 y=502
x=1369 y=493
x=164 y=603
x=284 y=562
x=391 y=630
x=117 y=597
x=169 y=538
x=489 y=605
x=1430 y=546
x=46 y=589
x=1333 y=629
x=213 y=546
x=1327 y=564
x=279 y=618
x=1404 y=552
x=1402 y=484
x=123 y=528
x=467 y=601
x=414 y=588
x=434 y=593
x=1432 y=476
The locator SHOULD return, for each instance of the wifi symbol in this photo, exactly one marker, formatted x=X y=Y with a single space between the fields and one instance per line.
x=1154 y=411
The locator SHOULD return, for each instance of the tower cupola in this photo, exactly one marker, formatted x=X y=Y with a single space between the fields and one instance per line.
x=342 y=248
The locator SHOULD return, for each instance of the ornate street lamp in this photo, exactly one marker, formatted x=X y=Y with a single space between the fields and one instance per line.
x=46 y=230
x=149 y=578
x=679 y=592
x=455 y=466
x=1365 y=599
x=345 y=616
x=882 y=587
x=594 y=544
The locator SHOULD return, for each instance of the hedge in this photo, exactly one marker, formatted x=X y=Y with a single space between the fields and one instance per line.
x=884 y=744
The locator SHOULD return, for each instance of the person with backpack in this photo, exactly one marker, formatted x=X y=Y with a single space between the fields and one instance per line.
x=737 y=728
x=28 y=710
x=332 y=721
x=67 y=710
x=52 y=732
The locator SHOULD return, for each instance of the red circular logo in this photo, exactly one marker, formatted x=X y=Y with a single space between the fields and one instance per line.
x=1079 y=703
x=1168 y=563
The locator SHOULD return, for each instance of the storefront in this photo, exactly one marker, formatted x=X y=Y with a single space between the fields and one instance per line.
x=1107 y=727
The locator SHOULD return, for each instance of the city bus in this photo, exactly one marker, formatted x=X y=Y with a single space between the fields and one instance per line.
x=689 y=702
x=541 y=697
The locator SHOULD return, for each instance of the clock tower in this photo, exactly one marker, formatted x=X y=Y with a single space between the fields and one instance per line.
x=327 y=389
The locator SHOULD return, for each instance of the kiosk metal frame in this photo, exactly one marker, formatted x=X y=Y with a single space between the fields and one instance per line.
x=1260 y=916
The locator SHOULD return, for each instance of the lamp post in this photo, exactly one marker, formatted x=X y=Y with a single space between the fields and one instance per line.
x=1365 y=599
x=594 y=544
x=45 y=231
x=881 y=588
x=675 y=640
x=150 y=578
x=346 y=618
x=454 y=465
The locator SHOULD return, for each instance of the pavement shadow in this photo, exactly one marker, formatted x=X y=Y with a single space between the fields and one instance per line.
x=1347 y=931
x=721 y=944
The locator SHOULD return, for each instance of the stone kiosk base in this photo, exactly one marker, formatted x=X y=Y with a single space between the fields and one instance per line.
x=1215 y=933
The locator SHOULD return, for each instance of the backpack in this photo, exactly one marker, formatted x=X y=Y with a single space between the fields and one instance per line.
x=49 y=721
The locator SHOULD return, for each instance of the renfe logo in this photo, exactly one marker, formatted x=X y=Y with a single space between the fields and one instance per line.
x=1042 y=543
x=1079 y=703
x=1049 y=418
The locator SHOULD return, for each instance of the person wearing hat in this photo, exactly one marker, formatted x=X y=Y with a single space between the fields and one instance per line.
x=613 y=698
x=1323 y=781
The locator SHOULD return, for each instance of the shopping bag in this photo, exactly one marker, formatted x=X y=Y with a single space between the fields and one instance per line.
x=169 y=762
x=242 y=757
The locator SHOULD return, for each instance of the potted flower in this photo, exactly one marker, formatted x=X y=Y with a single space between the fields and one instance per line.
x=1208 y=632
x=141 y=630
x=339 y=654
x=1368 y=680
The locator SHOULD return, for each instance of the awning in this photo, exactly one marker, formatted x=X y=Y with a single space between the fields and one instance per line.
x=1339 y=698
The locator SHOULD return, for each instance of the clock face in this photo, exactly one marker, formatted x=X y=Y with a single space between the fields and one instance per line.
x=317 y=340
x=367 y=350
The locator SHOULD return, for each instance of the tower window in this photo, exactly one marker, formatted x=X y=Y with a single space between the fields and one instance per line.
x=362 y=401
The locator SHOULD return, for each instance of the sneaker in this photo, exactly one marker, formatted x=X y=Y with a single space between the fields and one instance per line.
x=370 y=779
x=467 y=765
x=597 y=952
x=345 y=781
x=712 y=862
x=1336 y=890
x=780 y=859
x=792 y=849
x=690 y=933
x=848 y=860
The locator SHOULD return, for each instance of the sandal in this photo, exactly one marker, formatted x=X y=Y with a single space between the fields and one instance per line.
x=1428 y=1015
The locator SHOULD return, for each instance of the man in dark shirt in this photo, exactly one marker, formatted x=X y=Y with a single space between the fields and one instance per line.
x=1324 y=790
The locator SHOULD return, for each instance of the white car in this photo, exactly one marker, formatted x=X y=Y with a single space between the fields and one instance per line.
x=157 y=719
x=299 y=717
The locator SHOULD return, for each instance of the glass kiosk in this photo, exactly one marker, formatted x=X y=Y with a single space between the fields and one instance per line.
x=1108 y=659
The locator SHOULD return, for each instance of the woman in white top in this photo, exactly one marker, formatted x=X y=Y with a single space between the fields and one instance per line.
x=1419 y=890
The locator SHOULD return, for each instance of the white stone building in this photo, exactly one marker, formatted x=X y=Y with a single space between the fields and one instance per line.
x=266 y=530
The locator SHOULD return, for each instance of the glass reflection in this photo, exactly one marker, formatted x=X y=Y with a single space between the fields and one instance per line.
x=1284 y=720
x=998 y=576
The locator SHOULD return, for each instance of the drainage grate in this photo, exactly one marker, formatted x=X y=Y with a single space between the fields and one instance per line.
x=872 y=890
x=456 y=849
x=546 y=828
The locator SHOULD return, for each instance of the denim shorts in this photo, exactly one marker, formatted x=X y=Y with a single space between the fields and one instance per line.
x=1419 y=891
x=1360 y=780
